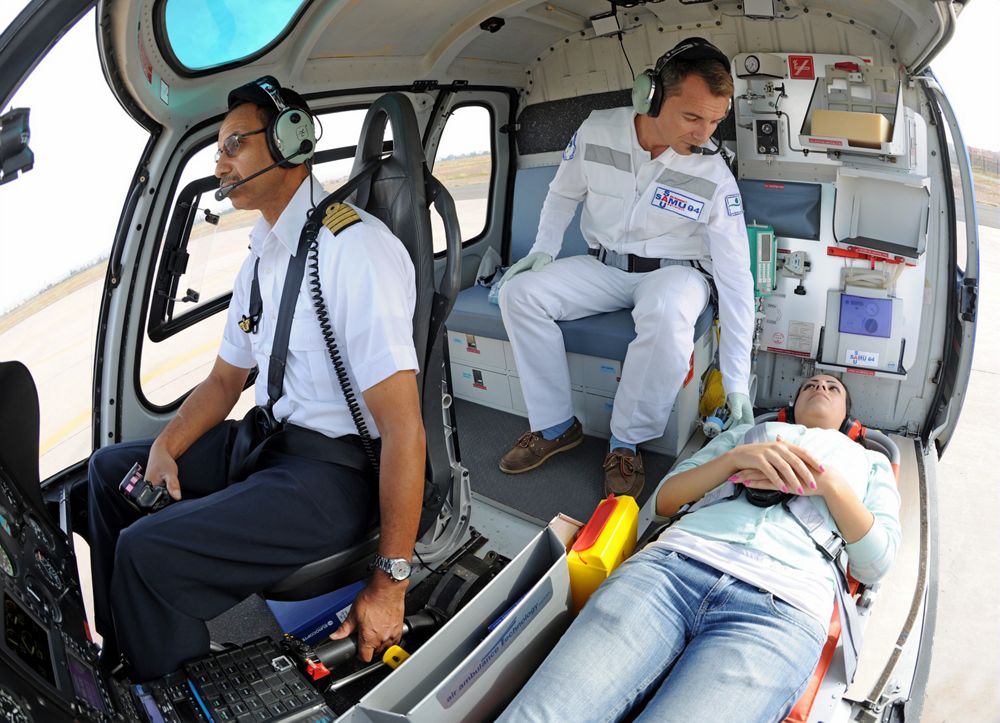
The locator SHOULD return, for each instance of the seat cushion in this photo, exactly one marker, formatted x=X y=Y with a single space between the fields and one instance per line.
x=602 y=335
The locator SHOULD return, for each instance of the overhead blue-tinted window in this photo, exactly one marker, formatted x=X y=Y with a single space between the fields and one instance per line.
x=208 y=33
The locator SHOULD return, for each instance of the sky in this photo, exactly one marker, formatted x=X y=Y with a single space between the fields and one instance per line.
x=60 y=216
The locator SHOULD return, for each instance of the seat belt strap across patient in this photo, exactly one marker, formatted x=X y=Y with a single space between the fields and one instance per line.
x=827 y=541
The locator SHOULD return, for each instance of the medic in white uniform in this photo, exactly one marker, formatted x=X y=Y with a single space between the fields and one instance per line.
x=670 y=215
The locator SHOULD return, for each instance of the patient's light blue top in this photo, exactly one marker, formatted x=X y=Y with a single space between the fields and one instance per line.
x=773 y=531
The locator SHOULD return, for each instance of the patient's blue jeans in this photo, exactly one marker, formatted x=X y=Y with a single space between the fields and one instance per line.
x=701 y=644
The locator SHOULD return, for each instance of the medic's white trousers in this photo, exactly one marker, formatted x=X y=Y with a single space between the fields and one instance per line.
x=665 y=306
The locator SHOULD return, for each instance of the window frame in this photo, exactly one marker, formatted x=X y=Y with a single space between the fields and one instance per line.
x=174 y=243
x=490 y=205
x=162 y=39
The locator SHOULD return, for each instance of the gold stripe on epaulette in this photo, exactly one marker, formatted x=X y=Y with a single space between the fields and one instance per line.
x=339 y=216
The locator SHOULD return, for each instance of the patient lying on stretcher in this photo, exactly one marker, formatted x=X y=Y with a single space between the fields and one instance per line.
x=724 y=616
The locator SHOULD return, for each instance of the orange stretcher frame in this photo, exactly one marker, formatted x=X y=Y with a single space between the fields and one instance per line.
x=800 y=712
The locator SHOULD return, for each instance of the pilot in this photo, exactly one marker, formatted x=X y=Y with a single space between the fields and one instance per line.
x=662 y=218
x=158 y=578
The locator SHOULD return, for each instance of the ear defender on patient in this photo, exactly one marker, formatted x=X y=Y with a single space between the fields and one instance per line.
x=852 y=427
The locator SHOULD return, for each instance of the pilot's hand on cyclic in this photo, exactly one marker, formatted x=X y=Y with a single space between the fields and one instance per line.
x=161 y=469
x=377 y=615
x=532 y=262
x=740 y=410
x=775 y=465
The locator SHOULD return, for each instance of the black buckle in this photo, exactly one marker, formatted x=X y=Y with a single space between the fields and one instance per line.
x=642 y=264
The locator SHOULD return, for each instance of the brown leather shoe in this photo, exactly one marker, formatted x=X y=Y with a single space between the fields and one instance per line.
x=532 y=449
x=623 y=472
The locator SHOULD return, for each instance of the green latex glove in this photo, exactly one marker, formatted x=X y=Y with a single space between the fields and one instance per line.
x=740 y=410
x=531 y=262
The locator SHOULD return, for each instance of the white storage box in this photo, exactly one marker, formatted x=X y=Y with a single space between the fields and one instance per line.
x=519 y=407
x=481 y=386
x=468 y=671
x=477 y=351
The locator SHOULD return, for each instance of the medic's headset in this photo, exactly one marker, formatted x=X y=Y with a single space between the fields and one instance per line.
x=647 y=89
x=290 y=133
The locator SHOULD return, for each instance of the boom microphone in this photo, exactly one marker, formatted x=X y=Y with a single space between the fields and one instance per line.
x=228 y=188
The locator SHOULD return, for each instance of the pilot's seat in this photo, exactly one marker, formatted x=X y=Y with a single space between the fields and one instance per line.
x=398 y=193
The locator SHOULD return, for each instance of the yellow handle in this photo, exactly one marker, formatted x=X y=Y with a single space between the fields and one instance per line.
x=394 y=656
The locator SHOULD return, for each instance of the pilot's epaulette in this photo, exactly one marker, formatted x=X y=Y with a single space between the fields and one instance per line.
x=339 y=216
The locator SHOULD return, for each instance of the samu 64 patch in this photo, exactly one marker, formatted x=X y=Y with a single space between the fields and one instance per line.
x=670 y=200
x=734 y=205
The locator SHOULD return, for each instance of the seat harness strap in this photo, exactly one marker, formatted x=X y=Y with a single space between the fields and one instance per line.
x=827 y=541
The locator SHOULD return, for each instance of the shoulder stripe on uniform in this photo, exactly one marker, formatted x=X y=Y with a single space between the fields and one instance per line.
x=339 y=216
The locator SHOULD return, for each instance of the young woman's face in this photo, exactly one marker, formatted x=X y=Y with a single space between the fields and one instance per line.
x=822 y=402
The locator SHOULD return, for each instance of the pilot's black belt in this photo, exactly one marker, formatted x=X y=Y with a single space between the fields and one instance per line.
x=631 y=262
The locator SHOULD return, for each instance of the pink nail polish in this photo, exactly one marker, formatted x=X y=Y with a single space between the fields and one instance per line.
x=822 y=468
x=784 y=489
x=812 y=484
x=734 y=478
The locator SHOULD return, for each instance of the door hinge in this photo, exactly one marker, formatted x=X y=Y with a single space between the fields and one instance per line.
x=968 y=296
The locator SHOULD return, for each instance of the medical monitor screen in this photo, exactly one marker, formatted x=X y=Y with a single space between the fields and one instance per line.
x=865 y=316
x=27 y=639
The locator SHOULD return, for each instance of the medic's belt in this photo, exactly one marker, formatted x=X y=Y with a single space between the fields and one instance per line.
x=626 y=262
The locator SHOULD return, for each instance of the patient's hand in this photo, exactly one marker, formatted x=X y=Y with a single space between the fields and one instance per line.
x=775 y=465
x=828 y=480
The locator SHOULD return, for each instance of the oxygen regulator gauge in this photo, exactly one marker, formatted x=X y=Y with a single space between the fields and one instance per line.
x=751 y=63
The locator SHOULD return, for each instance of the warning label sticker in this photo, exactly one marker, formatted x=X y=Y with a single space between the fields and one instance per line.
x=800 y=67
x=800 y=335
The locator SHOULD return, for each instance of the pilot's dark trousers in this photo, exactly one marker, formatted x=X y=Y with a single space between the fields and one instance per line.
x=159 y=577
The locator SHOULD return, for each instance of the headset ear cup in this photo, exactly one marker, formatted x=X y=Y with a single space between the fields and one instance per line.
x=287 y=131
x=853 y=429
x=642 y=91
x=656 y=97
x=787 y=414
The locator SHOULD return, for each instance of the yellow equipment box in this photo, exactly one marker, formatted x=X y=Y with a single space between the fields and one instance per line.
x=602 y=545
x=868 y=130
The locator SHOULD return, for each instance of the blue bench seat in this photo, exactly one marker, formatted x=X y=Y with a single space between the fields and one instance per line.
x=602 y=335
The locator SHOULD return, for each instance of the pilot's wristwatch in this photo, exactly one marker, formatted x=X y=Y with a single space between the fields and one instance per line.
x=398 y=568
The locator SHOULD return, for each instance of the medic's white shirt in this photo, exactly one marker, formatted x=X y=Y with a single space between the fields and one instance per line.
x=671 y=206
x=369 y=288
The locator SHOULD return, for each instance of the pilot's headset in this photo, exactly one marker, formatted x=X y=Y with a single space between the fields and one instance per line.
x=647 y=89
x=290 y=128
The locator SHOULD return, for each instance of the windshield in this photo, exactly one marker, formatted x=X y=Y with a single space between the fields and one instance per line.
x=207 y=34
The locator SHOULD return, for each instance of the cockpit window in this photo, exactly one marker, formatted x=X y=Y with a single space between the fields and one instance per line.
x=205 y=34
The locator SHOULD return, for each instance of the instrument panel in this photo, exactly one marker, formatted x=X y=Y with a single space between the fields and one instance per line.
x=48 y=666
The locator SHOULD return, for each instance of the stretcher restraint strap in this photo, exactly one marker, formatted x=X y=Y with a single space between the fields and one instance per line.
x=831 y=546
x=827 y=541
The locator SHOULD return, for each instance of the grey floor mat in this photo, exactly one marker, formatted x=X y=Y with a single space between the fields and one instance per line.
x=571 y=483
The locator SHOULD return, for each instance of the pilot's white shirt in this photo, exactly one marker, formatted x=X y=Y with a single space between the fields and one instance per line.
x=368 y=284
x=671 y=206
